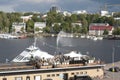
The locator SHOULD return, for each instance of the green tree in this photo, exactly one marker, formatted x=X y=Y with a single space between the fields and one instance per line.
x=73 y=18
x=30 y=26
x=56 y=28
x=116 y=31
x=105 y=32
x=46 y=29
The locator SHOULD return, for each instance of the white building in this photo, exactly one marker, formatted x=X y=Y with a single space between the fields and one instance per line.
x=26 y=18
x=78 y=23
x=55 y=24
x=105 y=13
x=66 y=13
x=19 y=27
x=80 y=12
x=38 y=26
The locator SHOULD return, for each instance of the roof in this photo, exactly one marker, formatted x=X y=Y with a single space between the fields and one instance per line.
x=49 y=70
x=100 y=27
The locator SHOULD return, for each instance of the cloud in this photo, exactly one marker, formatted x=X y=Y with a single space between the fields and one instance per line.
x=39 y=1
x=45 y=5
x=7 y=8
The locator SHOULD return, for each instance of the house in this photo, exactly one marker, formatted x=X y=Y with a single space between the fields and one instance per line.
x=99 y=28
x=77 y=24
x=38 y=26
x=18 y=27
x=26 y=18
x=80 y=12
x=55 y=24
x=105 y=13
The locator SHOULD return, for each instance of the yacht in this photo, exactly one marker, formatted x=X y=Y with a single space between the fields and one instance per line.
x=31 y=52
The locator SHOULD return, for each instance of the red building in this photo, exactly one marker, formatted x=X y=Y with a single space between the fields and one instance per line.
x=99 y=28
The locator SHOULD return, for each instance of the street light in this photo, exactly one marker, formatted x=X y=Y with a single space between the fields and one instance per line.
x=113 y=54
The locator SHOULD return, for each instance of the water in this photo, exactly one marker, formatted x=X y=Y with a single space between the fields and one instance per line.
x=100 y=49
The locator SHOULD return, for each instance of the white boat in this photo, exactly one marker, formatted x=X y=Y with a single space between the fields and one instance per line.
x=31 y=51
x=94 y=38
x=82 y=36
x=100 y=38
x=8 y=36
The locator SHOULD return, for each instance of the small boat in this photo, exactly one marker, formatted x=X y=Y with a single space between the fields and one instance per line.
x=100 y=38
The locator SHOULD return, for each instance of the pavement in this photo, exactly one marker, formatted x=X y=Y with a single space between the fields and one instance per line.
x=111 y=75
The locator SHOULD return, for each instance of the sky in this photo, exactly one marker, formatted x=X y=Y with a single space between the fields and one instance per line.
x=45 y=5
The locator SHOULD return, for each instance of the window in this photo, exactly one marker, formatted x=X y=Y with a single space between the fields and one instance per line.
x=37 y=78
x=77 y=72
x=81 y=72
x=85 y=72
x=48 y=75
x=53 y=75
x=28 y=78
x=72 y=73
x=18 y=78
x=97 y=70
x=57 y=74
x=4 y=79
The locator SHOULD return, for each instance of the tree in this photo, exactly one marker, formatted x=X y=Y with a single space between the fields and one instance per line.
x=37 y=29
x=30 y=26
x=116 y=31
x=56 y=28
x=105 y=32
x=46 y=29
x=73 y=17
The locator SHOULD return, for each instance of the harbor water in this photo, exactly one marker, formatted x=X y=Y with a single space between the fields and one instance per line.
x=100 y=49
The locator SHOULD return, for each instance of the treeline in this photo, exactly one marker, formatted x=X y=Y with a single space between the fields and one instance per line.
x=65 y=22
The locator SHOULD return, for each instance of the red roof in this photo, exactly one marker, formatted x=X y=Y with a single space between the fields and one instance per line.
x=101 y=28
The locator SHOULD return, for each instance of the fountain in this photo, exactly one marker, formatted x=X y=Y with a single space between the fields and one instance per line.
x=63 y=39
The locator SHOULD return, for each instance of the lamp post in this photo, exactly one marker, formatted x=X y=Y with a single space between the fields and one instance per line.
x=113 y=54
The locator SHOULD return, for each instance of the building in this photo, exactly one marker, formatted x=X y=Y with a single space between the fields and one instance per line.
x=66 y=13
x=53 y=73
x=26 y=18
x=56 y=24
x=55 y=8
x=19 y=27
x=77 y=24
x=105 y=13
x=60 y=67
x=99 y=28
x=80 y=12
x=38 y=26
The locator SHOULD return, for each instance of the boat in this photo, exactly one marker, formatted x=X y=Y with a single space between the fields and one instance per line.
x=100 y=38
x=8 y=36
x=31 y=52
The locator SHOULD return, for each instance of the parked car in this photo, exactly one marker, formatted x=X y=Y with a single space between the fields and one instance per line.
x=114 y=69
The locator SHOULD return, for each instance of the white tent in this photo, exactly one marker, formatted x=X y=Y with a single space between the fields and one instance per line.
x=73 y=54
x=46 y=56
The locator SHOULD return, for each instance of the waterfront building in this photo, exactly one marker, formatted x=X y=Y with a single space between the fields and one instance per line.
x=99 y=28
x=50 y=73
x=38 y=26
x=18 y=27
